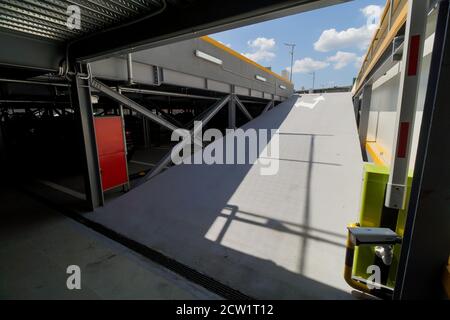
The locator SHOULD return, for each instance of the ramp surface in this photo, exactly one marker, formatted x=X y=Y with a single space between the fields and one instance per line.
x=269 y=236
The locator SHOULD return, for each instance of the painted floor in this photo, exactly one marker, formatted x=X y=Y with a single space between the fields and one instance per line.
x=37 y=244
x=279 y=236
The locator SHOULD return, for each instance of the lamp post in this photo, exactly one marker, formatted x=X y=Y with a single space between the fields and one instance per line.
x=292 y=46
x=314 y=78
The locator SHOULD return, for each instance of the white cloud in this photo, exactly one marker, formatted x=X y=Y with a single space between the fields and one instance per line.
x=260 y=56
x=360 y=38
x=262 y=49
x=308 y=65
x=372 y=14
x=341 y=59
x=262 y=43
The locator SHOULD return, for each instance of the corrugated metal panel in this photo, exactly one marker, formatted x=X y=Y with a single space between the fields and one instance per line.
x=48 y=18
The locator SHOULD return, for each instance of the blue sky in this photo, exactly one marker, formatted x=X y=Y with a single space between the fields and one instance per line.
x=330 y=42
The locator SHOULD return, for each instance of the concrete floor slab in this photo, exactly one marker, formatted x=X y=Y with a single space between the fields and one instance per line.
x=37 y=244
x=276 y=236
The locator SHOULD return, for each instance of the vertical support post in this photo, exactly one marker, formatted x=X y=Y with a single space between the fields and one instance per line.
x=122 y=117
x=232 y=113
x=426 y=242
x=356 y=107
x=364 y=118
x=130 y=68
x=407 y=103
x=81 y=102
x=2 y=144
x=146 y=131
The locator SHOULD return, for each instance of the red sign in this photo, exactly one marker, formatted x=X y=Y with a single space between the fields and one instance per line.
x=414 y=55
x=403 y=139
x=111 y=151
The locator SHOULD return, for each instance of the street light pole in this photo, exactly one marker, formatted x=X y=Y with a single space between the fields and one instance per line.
x=292 y=46
x=314 y=79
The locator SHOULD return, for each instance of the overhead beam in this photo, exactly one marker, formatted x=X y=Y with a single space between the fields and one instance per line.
x=200 y=17
x=167 y=93
x=18 y=51
x=120 y=98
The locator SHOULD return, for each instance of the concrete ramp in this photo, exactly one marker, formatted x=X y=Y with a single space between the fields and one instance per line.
x=276 y=236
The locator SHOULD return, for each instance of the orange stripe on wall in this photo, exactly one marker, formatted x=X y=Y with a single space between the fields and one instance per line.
x=243 y=58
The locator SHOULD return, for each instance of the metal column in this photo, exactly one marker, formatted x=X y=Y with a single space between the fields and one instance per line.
x=146 y=131
x=364 y=118
x=81 y=101
x=122 y=117
x=426 y=243
x=232 y=113
x=2 y=145
x=130 y=68
x=407 y=103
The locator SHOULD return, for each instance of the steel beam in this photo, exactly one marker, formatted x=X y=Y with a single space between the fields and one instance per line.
x=30 y=53
x=242 y=108
x=2 y=145
x=113 y=94
x=426 y=242
x=146 y=132
x=81 y=102
x=53 y=84
x=407 y=103
x=124 y=137
x=231 y=114
x=167 y=159
x=170 y=118
x=167 y=94
x=120 y=98
x=130 y=69
x=268 y=106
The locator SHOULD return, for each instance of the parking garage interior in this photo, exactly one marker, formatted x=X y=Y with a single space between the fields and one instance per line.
x=50 y=171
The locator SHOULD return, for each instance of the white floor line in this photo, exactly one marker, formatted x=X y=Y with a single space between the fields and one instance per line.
x=61 y=188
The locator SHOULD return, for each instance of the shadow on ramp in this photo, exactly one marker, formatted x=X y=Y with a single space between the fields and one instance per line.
x=261 y=235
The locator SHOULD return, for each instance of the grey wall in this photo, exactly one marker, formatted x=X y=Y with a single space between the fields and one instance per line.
x=181 y=67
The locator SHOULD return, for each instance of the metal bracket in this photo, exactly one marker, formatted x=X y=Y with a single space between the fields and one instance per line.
x=373 y=236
